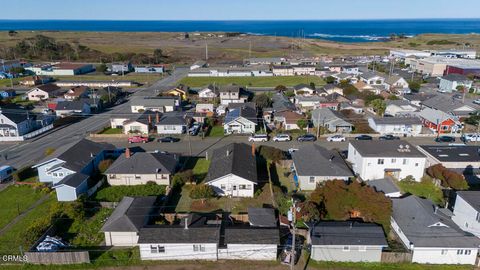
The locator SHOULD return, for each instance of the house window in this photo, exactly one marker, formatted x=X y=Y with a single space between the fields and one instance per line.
x=112 y=176
x=346 y=248
x=222 y=187
x=249 y=187
x=405 y=161
x=444 y=251
x=242 y=187
x=60 y=174
x=198 y=248
x=312 y=179
x=416 y=164
x=394 y=160
x=381 y=161
x=138 y=177
x=234 y=187
x=477 y=218
x=157 y=249
x=460 y=252
x=468 y=252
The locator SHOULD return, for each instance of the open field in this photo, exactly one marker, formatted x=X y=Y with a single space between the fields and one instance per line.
x=15 y=200
x=184 y=51
x=140 y=78
x=253 y=81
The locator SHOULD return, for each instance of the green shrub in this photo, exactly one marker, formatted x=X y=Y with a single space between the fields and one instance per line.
x=449 y=179
x=271 y=153
x=104 y=165
x=202 y=192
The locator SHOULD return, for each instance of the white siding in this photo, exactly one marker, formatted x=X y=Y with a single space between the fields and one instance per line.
x=248 y=252
x=179 y=251
x=121 y=239
x=229 y=185
x=449 y=256
x=465 y=216
x=353 y=254
x=138 y=179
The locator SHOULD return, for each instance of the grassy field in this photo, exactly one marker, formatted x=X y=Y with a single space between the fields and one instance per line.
x=15 y=200
x=140 y=78
x=216 y=131
x=426 y=189
x=252 y=81
x=12 y=239
x=110 y=131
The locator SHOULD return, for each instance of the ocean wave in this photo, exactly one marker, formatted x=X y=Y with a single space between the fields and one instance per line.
x=365 y=37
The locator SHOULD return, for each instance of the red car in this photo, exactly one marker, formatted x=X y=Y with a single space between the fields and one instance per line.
x=138 y=139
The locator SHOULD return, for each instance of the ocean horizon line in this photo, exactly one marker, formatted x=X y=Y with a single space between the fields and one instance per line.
x=251 y=20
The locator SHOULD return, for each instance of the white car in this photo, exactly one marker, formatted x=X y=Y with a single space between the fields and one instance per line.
x=477 y=101
x=471 y=137
x=336 y=138
x=282 y=138
x=258 y=138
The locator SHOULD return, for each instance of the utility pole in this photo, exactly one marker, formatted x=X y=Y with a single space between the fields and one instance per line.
x=318 y=124
x=293 y=210
x=250 y=50
x=206 y=51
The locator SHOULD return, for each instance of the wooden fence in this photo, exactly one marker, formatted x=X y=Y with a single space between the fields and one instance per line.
x=396 y=257
x=59 y=257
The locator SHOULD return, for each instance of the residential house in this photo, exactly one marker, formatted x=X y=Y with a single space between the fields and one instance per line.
x=77 y=93
x=418 y=98
x=281 y=103
x=172 y=124
x=451 y=82
x=198 y=64
x=36 y=80
x=61 y=69
x=232 y=94
x=76 y=107
x=81 y=157
x=71 y=187
x=330 y=89
x=262 y=217
x=250 y=243
x=282 y=71
x=332 y=120
x=158 y=69
x=363 y=86
x=429 y=233
x=314 y=165
x=289 y=120
x=265 y=61
x=120 y=67
x=339 y=77
x=142 y=124
x=241 y=120
x=304 y=70
x=400 y=108
x=16 y=121
x=303 y=89
x=450 y=105
x=209 y=92
x=157 y=104
x=123 y=226
x=350 y=69
x=439 y=121
x=233 y=170
x=140 y=168
x=7 y=93
x=43 y=92
x=356 y=108
x=466 y=211
x=180 y=91
x=373 y=160
x=372 y=78
x=404 y=126
x=347 y=241
x=394 y=82
x=461 y=158
x=386 y=186
x=307 y=103
x=207 y=108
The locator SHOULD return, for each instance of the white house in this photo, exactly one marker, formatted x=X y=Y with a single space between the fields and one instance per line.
x=400 y=108
x=430 y=235
x=130 y=215
x=402 y=126
x=250 y=243
x=171 y=124
x=198 y=64
x=43 y=92
x=77 y=107
x=387 y=186
x=233 y=170
x=241 y=120
x=450 y=82
x=282 y=70
x=462 y=158
x=303 y=89
x=209 y=92
x=231 y=94
x=372 y=78
x=155 y=104
x=466 y=212
x=350 y=69
x=395 y=82
x=347 y=241
x=377 y=159
x=302 y=70
x=313 y=165
x=204 y=108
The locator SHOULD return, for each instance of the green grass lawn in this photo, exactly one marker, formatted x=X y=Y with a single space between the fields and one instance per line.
x=13 y=238
x=14 y=199
x=200 y=169
x=116 y=193
x=110 y=131
x=216 y=131
x=253 y=81
x=285 y=181
x=140 y=78
x=87 y=233
x=383 y=266
x=426 y=188
x=8 y=82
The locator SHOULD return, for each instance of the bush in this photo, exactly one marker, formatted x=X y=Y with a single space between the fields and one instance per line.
x=23 y=174
x=449 y=179
x=104 y=165
x=116 y=193
x=271 y=153
x=202 y=192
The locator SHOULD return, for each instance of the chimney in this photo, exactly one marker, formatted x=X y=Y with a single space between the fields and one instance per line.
x=157 y=118
x=253 y=149
x=149 y=119
x=128 y=154
x=186 y=223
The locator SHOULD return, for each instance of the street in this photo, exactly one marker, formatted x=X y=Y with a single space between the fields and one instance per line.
x=21 y=154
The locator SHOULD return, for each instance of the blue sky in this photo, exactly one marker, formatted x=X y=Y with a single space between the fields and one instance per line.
x=237 y=10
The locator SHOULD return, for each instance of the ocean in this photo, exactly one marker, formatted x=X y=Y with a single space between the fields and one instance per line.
x=343 y=31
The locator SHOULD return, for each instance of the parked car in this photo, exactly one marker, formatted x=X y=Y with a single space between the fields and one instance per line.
x=138 y=139
x=282 y=138
x=336 y=138
x=471 y=138
x=6 y=173
x=477 y=101
x=445 y=139
x=168 y=140
x=389 y=137
x=258 y=138
x=307 y=138
x=363 y=138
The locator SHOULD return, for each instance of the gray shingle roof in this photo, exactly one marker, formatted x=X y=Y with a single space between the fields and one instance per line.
x=433 y=115
x=386 y=149
x=144 y=163
x=471 y=197
x=73 y=180
x=444 y=103
x=415 y=217
x=282 y=103
x=349 y=233
x=130 y=215
x=76 y=105
x=16 y=115
x=397 y=121
x=244 y=111
x=451 y=153
x=171 y=120
x=455 y=77
x=252 y=235
x=384 y=185
x=318 y=161
x=176 y=234
x=262 y=217
x=234 y=158
x=155 y=101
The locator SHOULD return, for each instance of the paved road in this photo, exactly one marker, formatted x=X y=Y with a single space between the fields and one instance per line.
x=32 y=151
x=199 y=146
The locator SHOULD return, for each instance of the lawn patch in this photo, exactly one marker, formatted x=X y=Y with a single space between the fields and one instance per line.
x=215 y=131
x=425 y=189
x=253 y=81
x=15 y=200
x=110 y=131
x=116 y=193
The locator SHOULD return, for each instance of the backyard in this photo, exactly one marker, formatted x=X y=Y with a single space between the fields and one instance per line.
x=425 y=189
x=110 y=131
x=253 y=81
x=16 y=200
